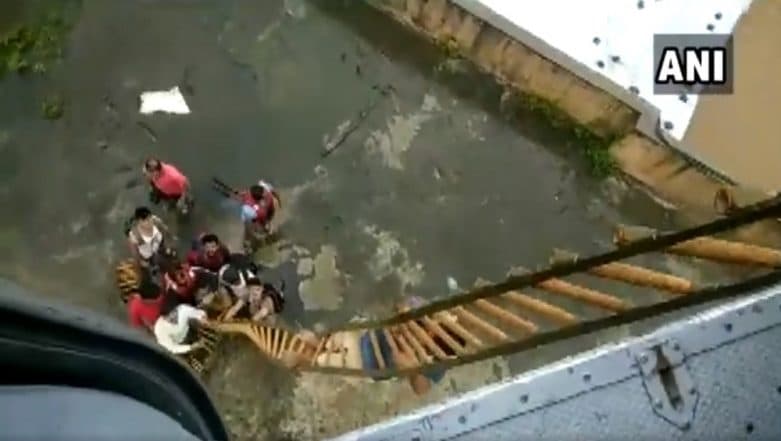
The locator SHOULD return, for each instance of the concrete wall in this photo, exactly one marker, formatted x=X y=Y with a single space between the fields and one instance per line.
x=528 y=65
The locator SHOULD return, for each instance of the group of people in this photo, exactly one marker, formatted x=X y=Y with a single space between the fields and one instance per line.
x=176 y=295
x=259 y=203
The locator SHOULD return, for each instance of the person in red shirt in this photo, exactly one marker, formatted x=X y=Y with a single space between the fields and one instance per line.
x=259 y=204
x=168 y=185
x=190 y=284
x=144 y=305
x=209 y=253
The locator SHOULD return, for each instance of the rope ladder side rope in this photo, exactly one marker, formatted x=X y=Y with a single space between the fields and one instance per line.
x=498 y=319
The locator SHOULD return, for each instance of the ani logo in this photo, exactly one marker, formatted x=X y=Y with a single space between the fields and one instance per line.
x=694 y=63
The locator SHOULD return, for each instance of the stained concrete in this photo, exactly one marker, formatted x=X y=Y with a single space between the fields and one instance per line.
x=434 y=183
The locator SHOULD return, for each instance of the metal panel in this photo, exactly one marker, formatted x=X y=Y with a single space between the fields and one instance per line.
x=730 y=354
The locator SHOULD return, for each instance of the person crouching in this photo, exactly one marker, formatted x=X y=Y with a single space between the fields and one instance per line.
x=264 y=301
x=176 y=324
x=208 y=252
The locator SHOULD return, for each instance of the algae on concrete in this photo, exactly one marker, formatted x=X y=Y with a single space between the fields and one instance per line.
x=53 y=107
x=596 y=149
x=34 y=46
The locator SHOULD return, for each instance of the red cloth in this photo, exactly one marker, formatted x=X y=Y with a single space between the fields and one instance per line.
x=171 y=182
x=214 y=262
x=143 y=313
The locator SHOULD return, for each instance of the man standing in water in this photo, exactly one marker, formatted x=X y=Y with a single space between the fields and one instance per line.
x=168 y=185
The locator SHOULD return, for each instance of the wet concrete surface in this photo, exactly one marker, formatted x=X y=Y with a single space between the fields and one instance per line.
x=436 y=182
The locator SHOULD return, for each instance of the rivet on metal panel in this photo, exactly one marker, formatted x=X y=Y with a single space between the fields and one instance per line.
x=462 y=419
x=676 y=346
x=757 y=309
x=643 y=358
x=658 y=404
x=728 y=327
x=524 y=398
x=587 y=377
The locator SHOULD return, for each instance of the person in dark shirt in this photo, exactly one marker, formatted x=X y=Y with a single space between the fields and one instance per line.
x=209 y=253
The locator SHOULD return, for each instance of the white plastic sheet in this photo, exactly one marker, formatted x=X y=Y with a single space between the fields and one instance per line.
x=167 y=101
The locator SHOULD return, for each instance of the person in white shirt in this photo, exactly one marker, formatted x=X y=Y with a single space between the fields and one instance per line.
x=173 y=327
x=146 y=234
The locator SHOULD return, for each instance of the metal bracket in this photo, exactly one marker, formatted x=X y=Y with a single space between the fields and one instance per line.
x=671 y=390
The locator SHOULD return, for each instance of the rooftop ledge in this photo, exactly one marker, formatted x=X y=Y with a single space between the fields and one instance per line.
x=547 y=49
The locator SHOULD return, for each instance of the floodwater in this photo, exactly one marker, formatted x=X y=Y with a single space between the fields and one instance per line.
x=436 y=182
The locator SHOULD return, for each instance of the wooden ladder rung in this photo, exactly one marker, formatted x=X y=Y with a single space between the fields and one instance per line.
x=637 y=275
x=506 y=317
x=477 y=322
x=394 y=347
x=406 y=347
x=585 y=295
x=705 y=247
x=320 y=346
x=269 y=337
x=450 y=321
x=297 y=345
x=424 y=337
x=435 y=328
x=415 y=342
x=275 y=335
x=632 y=274
x=282 y=344
x=256 y=334
x=551 y=312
